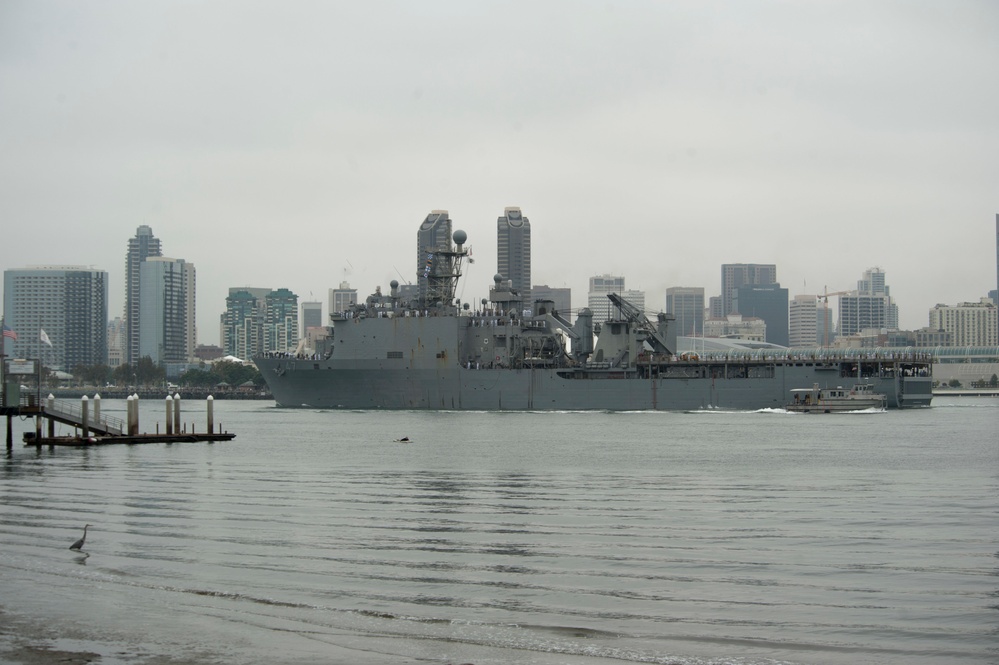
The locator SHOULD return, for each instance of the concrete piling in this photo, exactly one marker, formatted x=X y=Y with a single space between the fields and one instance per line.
x=169 y=415
x=85 y=415
x=176 y=413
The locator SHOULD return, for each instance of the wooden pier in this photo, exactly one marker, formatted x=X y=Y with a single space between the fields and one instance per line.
x=93 y=428
x=79 y=441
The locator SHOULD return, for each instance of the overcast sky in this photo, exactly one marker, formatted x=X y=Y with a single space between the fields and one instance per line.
x=297 y=144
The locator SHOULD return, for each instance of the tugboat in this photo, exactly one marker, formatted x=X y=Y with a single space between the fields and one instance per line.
x=860 y=397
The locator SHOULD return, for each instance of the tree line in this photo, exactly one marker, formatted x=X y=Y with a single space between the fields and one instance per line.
x=145 y=373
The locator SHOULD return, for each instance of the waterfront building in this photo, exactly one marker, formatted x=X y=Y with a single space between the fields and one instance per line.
x=596 y=297
x=737 y=326
x=140 y=247
x=280 y=321
x=767 y=302
x=513 y=251
x=167 y=329
x=241 y=323
x=686 y=304
x=342 y=298
x=208 y=352
x=927 y=338
x=809 y=322
x=116 y=342
x=968 y=323
x=434 y=233
x=560 y=296
x=735 y=275
x=312 y=315
x=59 y=313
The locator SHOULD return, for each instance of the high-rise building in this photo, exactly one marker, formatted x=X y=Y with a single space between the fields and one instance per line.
x=513 y=251
x=996 y=299
x=686 y=304
x=434 y=233
x=140 y=247
x=280 y=321
x=312 y=315
x=68 y=303
x=734 y=275
x=342 y=298
x=969 y=323
x=767 y=302
x=869 y=307
x=560 y=296
x=167 y=332
x=242 y=322
x=596 y=298
x=803 y=329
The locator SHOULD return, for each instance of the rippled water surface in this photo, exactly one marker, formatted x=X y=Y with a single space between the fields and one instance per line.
x=689 y=538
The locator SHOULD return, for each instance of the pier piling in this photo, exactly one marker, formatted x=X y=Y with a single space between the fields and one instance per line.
x=169 y=415
x=210 y=402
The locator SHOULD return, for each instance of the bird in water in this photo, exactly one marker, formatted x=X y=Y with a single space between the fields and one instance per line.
x=78 y=545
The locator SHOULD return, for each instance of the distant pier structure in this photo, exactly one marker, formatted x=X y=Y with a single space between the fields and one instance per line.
x=92 y=427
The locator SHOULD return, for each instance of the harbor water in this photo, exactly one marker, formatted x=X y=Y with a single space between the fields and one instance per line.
x=696 y=538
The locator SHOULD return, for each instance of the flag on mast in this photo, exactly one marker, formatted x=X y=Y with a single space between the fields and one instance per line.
x=44 y=337
x=7 y=332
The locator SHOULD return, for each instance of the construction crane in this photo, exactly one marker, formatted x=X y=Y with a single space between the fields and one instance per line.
x=825 y=319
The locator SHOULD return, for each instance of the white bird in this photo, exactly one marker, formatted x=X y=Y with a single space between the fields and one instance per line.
x=78 y=545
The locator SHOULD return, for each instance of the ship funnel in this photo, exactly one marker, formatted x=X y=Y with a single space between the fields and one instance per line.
x=584 y=329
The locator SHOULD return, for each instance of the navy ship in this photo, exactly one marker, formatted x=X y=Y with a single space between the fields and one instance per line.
x=433 y=352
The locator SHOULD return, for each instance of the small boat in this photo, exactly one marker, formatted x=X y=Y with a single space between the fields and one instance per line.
x=836 y=400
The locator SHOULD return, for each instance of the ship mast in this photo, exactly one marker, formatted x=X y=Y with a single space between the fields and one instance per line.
x=444 y=269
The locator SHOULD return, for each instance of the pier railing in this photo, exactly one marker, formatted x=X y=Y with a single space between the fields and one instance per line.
x=73 y=413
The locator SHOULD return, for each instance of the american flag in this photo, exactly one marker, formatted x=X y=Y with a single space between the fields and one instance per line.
x=7 y=332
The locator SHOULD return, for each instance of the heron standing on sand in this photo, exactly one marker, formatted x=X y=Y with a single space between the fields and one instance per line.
x=78 y=545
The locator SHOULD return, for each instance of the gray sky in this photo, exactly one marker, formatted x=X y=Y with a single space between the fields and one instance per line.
x=298 y=143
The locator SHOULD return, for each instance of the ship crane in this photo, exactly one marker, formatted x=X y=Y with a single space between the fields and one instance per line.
x=637 y=317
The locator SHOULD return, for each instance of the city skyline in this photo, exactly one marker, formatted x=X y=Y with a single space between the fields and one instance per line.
x=823 y=138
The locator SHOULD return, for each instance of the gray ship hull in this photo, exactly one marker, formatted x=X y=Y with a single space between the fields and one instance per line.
x=321 y=384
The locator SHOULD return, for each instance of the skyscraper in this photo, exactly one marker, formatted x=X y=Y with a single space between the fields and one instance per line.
x=513 y=251
x=734 y=275
x=767 y=302
x=686 y=304
x=142 y=246
x=69 y=303
x=280 y=320
x=166 y=310
x=434 y=233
